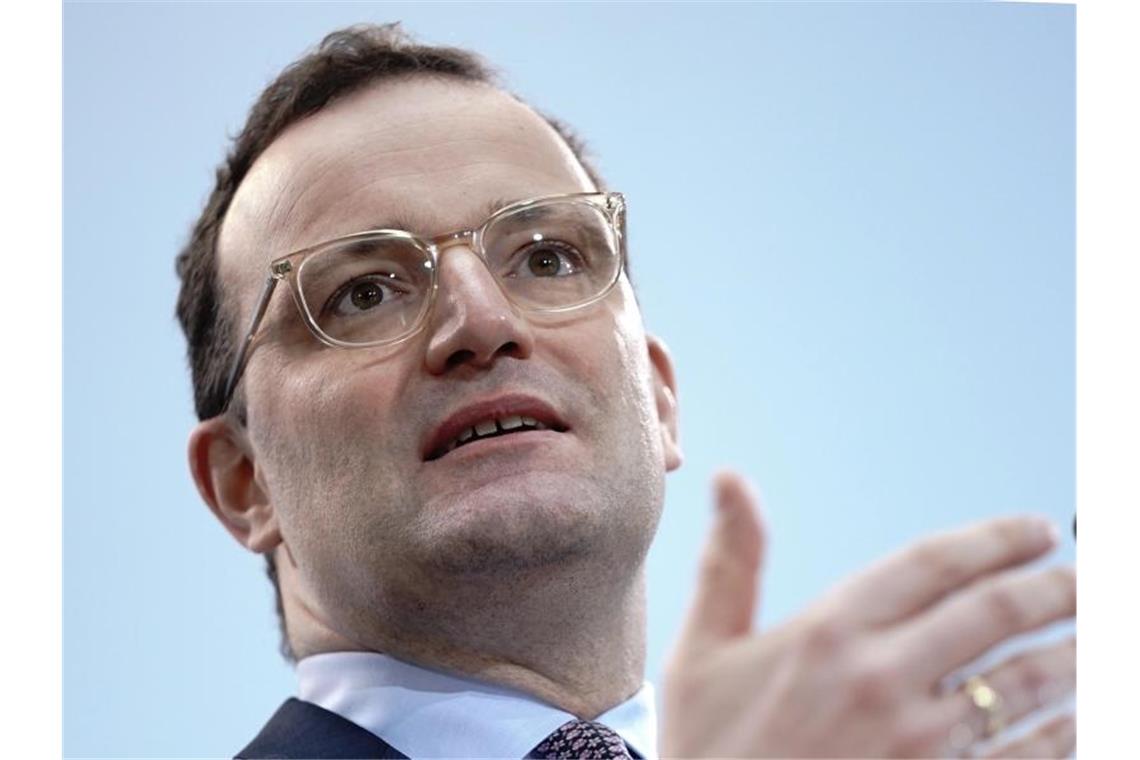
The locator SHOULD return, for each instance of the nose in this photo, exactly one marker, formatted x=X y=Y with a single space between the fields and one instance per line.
x=472 y=321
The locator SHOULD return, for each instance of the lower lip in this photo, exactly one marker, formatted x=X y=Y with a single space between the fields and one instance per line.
x=500 y=443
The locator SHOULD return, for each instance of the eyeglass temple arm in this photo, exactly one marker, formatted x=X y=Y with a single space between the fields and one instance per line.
x=243 y=352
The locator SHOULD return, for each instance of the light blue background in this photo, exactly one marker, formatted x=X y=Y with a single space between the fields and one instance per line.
x=886 y=190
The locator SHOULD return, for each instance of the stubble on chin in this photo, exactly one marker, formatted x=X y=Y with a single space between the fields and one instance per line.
x=538 y=523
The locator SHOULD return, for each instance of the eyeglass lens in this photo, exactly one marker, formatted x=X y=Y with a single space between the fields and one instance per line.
x=375 y=288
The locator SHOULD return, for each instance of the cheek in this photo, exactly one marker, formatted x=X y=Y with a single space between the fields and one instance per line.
x=335 y=483
x=317 y=428
x=326 y=395
x=631 y=349
x=611 y=356
x=636 y=375
x=290 y=403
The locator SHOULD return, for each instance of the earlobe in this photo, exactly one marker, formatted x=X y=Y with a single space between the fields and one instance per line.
x=226 y=477
x=665 y=395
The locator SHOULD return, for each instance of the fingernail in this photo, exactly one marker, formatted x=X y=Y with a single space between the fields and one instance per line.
x=1053 y=531
x=1042 y=527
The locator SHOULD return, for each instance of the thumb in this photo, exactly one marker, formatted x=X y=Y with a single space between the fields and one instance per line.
x=727 y=594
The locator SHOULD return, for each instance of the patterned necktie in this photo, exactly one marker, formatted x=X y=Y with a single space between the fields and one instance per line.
x=581 y=739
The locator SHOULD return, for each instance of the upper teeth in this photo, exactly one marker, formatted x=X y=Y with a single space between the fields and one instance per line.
x=487 y=427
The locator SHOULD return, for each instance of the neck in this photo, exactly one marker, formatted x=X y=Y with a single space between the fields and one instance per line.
x=583 y=654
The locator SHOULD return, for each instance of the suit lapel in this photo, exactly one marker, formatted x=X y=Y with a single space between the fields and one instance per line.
x=301 y=729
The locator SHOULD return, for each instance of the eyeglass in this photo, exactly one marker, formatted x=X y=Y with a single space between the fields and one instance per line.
x=549 y=255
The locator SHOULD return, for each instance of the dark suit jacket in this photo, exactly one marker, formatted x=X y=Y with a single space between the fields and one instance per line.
x=304 y=730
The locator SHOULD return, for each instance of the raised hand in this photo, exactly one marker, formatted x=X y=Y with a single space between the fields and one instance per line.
x=864 y=672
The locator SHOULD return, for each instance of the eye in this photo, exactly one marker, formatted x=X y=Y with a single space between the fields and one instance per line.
x=549 y=258
x=363 y=294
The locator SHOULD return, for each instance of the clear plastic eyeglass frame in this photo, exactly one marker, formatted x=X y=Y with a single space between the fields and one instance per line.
x=612 y=204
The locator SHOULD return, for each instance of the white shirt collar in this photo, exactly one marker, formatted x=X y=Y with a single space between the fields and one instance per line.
x=428 y=713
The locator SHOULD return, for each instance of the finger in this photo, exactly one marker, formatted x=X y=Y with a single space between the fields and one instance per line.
x=1057 y=738
x=965 y=625
x=1026 y=683
x=726 y=596
x=907 y=582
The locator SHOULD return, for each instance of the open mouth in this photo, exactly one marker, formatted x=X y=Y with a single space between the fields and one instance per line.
x=492 y=428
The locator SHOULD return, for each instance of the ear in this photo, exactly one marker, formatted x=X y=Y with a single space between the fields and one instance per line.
x=665 y=394
x=225 y=473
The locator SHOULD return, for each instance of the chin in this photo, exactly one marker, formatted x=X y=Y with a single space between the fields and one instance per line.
x=541 y=521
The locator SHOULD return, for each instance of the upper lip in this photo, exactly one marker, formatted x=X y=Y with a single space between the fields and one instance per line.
x=492 y=408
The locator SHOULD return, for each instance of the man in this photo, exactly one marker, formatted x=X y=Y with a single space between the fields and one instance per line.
x=450 y=437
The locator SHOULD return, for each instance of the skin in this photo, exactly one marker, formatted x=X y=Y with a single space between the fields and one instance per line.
x=866 y=670
x=524 y=566
x=521 y=566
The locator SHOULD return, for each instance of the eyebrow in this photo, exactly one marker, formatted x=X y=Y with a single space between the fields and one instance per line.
x=402 y=220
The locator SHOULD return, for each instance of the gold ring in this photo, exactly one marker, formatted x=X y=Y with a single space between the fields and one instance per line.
x=986 y=699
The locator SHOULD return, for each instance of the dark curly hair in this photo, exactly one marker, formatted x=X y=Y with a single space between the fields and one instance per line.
x=345 y=61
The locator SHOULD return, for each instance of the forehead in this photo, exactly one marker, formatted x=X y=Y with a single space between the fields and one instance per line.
x=423 y=154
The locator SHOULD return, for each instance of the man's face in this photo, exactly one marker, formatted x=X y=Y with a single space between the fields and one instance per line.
x=338 y=437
